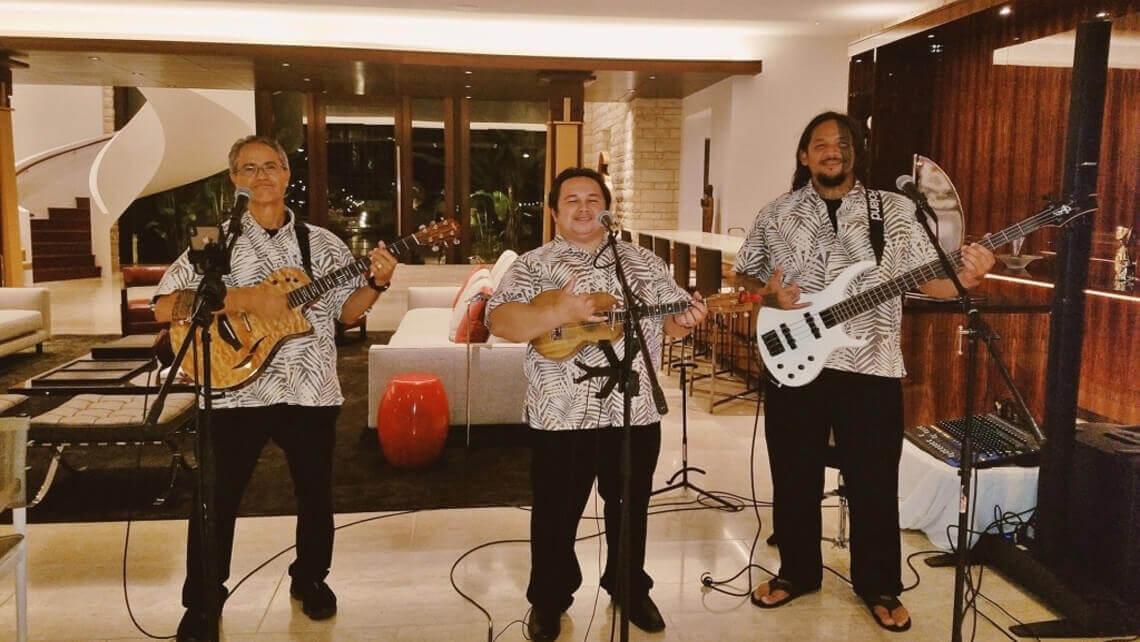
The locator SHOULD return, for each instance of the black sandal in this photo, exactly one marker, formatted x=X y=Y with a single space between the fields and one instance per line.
x=890 y=603
x=779 y=584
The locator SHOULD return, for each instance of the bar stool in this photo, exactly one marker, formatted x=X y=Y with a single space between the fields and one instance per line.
x=682 y=265
x=627 y=236
x=645 y=240
x=661 y=249
x=709 y=271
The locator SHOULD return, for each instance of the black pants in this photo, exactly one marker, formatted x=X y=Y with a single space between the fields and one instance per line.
x=865 y=413
x=306 y=434
x=564 y=464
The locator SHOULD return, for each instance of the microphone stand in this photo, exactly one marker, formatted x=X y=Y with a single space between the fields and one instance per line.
x=622 y=372
x=209 y=298
x=976 y=330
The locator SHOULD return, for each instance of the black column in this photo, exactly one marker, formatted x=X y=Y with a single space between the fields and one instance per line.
x=1066 y=325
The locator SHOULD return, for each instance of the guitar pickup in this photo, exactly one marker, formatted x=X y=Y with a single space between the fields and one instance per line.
x=811 y=324
x=787 y=332
x=772 y=342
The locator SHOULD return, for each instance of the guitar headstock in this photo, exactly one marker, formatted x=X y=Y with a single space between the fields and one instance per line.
x=437 y=233
x=1061 y=214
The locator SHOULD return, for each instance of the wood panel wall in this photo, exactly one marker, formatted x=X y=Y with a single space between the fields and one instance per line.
x=999 y=130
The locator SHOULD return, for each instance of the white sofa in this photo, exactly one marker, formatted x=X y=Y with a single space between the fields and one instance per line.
x=421 y=344
x=25 y=319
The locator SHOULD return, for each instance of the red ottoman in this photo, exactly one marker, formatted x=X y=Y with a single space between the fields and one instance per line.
x=412 y=420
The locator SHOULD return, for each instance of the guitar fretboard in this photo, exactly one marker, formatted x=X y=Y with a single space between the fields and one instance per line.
x=665 y=309
x=873 y=297
x=314 y=289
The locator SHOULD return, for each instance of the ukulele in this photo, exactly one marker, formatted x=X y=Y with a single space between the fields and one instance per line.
x=566 y=341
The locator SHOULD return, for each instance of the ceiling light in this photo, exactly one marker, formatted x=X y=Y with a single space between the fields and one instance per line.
x=1102 y=14
x=652 y=77
x=467 y=86
x=929 y=35
x=1005 y=11
x=467 y=97
x=306 y=80
x=284 y=64
x=93 y=58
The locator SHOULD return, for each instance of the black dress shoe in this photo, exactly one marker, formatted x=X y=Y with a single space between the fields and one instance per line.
x=645 y=616
x=544 y=624
x=317 y=599
x=192 y=626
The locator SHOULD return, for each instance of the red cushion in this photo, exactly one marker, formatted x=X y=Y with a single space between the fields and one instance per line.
x=470 y=275
x=472 y=328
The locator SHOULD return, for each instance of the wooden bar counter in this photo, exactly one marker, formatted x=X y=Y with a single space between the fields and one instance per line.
x=1016 y=304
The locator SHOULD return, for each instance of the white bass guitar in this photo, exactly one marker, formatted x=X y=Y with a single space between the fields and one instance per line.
x=794 y=344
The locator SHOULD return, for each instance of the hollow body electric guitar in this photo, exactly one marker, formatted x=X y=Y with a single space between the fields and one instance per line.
x=794 y=344
x=244 y=343
x=566 y=341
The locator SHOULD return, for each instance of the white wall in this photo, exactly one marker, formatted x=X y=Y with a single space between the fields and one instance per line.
x=47 y=116
x=695 y=128
x=755 y=125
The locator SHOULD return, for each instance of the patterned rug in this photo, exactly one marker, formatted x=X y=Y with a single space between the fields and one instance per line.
x=114 y=483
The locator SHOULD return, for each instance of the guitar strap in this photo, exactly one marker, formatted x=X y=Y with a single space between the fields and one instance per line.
x=303 y=243
x=875 y=221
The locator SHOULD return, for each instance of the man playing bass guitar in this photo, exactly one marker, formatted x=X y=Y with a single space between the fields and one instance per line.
x=575 y=436
x=800 y=243
x=295 y=399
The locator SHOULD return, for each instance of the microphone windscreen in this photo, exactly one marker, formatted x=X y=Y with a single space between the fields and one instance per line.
x=905 y=183
x=242 y=192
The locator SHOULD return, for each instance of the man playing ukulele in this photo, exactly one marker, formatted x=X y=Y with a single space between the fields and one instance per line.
x=576 y=437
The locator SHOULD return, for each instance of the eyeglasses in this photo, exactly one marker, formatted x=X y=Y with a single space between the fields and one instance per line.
x=250 y=170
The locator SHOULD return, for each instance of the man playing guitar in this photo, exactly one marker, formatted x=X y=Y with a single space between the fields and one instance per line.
x=801 y=242
x=296 y=398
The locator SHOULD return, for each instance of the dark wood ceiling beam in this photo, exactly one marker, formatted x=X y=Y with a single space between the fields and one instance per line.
x=427 y=58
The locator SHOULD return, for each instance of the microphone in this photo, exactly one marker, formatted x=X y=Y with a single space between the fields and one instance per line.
x=242 y=196
x=906 y=185
x=606 y=219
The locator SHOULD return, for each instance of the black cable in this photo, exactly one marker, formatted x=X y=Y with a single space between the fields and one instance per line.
x=706 y=578
x=127 y=537
x=917 y=576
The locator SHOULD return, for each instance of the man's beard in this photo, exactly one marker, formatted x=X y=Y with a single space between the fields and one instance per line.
x=831 y=181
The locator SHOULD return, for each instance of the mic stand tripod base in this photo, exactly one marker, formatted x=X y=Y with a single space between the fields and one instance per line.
x=684 y=366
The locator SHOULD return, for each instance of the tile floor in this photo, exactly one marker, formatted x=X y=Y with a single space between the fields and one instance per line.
x=392 y=574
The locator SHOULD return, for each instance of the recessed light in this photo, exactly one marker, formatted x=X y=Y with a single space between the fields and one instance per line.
x=1005 y=11
x=307 y=80
x=652 y=77
x=1102 y=14
x=467 y=86
x=94 y=58
x=467 y=71
x=284 y=64
x=467 y=97
x=929 y=35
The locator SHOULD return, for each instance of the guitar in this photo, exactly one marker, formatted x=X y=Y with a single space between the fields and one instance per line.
x=566 y=341
x=794 y=344
x=245 y=343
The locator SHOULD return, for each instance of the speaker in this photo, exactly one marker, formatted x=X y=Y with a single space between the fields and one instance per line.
x=1104 y=505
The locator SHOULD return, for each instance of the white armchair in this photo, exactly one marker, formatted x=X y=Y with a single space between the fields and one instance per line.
x=13 y=495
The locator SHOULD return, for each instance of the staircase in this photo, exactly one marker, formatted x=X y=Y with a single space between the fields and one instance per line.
x=61 y=244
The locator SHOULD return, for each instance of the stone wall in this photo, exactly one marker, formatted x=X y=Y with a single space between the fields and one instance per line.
x=643 y=141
